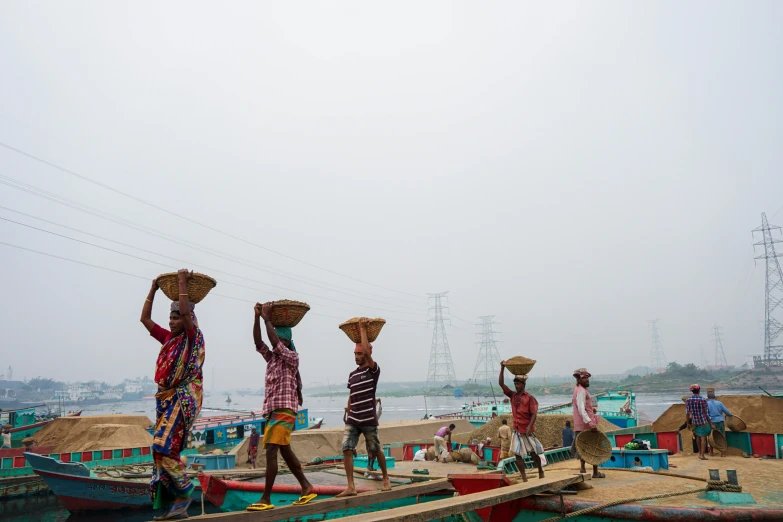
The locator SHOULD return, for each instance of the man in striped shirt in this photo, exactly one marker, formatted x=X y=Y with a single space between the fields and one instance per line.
x=361 y=417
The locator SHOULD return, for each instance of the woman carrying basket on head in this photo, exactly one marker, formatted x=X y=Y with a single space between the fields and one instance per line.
x=178 y=373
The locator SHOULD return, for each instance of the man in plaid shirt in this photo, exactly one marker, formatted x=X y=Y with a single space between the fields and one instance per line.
x=282 y=398
x=699 y=418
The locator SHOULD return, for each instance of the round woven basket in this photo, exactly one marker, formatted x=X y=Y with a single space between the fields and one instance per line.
x=520 y=365
x=351 y=329
x=735 y=423
x=594 y=447
x=718 y=441
x=686 y=397
x=199 y=286
x=288 y=313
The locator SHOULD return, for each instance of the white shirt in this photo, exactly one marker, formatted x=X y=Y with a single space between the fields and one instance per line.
x=580 y=406
x=7 y=439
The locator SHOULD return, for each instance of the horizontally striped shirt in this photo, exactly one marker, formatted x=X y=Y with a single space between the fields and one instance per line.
x=362 y=383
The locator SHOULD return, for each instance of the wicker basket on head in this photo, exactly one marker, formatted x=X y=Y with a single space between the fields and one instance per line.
x=351 y=329
x=735 y=423
x=520 y=365
x=288 y=313
x=199 y=286
x=718 y=441
x=594 y=447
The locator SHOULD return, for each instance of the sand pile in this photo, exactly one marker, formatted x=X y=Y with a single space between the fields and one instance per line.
x=761 y=413
x=109 y=436
x=549 y=429
x=70 y=433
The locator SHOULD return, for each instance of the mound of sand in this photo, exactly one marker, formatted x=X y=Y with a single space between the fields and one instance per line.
x=549 y=429
x=761 y=413
x=110 y=436
x=327 y=442
x=71 y=433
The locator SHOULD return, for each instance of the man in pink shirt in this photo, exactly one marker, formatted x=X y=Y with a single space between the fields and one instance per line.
x=524 y=411
x=440 y=440
x=584 y=414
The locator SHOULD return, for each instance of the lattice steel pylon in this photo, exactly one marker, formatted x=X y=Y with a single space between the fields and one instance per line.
x=441 y=370
x=488 y=361
x=720 y=356
x=773 y=300
x=657 y=357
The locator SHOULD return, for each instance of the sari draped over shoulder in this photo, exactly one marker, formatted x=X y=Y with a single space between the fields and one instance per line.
x=178 y=373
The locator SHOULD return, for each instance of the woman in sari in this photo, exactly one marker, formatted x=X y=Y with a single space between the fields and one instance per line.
x=178 y=401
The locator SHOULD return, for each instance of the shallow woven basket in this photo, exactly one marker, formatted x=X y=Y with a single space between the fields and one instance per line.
x=594 y=447
x=686 y=397
x=199 y=286
x=351 y=329
x=735 y=423
x=520 y=365
x=718 y=441
x=288 y=313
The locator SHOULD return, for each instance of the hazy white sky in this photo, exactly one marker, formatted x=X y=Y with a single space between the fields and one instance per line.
x=575 y=169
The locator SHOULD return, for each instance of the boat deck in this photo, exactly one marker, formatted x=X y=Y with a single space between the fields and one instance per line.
x=761 y=478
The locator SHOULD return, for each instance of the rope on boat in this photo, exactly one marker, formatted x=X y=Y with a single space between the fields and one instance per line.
x=660 y=473
x=619 y=502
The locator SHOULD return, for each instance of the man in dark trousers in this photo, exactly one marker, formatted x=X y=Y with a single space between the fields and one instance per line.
x=361 y=413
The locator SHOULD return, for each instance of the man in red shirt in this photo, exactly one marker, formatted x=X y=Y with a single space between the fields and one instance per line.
x=524 y=409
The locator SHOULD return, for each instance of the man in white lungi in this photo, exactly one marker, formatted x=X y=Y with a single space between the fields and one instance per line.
x=524 y=410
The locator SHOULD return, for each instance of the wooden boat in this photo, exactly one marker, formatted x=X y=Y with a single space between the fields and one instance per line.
x=82 y=490
x=317 y=423
x=234 y=496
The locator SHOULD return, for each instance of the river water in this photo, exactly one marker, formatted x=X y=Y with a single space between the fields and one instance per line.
x=47 y=508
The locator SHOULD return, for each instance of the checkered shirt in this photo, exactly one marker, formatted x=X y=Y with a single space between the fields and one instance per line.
x=283 y=383
x=696 y=407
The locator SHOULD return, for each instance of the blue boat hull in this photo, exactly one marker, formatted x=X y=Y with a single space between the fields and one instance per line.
x=80 y=491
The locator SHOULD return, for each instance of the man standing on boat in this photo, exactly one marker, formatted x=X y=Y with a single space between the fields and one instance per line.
x=524 y=409
x=717 y=410
x=362 y=415
x=584 y=413
x=504 y=435
x=282 y=398
x=698 y=415
x=252 y=450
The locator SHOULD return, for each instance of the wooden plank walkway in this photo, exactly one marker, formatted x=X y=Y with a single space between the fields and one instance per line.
x=331 y=504
x=456 y=505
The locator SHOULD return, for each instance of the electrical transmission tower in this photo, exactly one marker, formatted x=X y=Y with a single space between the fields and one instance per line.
x=657 y=357
x=720 y=357
x=441 y=371
x=488 y=361
x=773 y=312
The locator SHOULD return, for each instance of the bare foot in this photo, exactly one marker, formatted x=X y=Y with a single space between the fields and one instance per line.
x=308 y=489
x=386 y=484
x=541 y=475
x=524 y=479
x=349 y=492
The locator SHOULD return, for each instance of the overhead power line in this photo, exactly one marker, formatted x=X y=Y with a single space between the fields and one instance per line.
x=75 y=205
x=136 y=276
x=173 y=267
x=195 y=222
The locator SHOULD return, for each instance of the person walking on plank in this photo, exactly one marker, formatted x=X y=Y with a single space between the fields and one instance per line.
x=362 y=414
x=524 y=409
x=178 y=374
x=282 y=398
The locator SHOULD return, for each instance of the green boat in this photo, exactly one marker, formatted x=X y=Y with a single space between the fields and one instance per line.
x=233 y=495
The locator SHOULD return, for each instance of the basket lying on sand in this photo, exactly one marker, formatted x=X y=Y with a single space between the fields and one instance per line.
x=718 y=441
x=520 y=365
x=735 y=423
x=594 y=447
x=199 y=286
x=351 y=329
x=288 y=313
